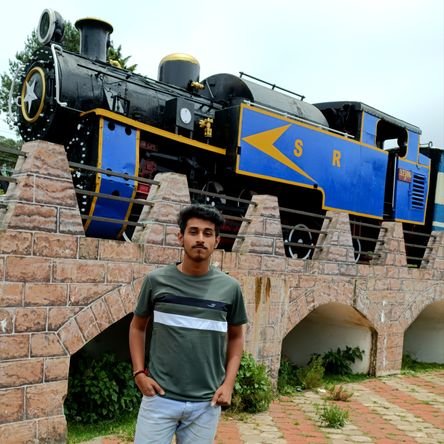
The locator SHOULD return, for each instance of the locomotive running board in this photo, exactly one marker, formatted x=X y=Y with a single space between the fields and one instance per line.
x=153 y=130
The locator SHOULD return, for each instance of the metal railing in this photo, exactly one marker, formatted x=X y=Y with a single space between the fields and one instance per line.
x=235 y=216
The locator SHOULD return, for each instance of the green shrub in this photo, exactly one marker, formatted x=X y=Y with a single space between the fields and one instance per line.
x=339 y=362
x=100 y=389
x=288 y=380
x=332 y=416
x=312 y=375
x=253 y=391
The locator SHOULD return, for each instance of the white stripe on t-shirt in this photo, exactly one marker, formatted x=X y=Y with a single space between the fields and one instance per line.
x=175 y=320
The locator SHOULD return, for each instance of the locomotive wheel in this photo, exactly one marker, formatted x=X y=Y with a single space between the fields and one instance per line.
x=214 y=187
x=298 y=235
x=357 y=248
x=245 y=194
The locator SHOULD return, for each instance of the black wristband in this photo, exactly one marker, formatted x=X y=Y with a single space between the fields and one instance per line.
x=137 y=372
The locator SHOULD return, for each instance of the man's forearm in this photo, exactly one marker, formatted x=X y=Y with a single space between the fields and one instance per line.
x=235 y=348
x=137 y=344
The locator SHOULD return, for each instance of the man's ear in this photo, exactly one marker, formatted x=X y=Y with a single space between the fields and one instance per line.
x=180 y=238
x=217 y=241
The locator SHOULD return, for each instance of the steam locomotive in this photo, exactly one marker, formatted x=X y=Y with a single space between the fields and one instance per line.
x=231 y=135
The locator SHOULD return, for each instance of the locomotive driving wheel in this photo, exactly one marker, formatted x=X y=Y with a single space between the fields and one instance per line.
x=299 y=242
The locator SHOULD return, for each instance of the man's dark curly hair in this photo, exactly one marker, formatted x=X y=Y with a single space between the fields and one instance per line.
x=203 y=212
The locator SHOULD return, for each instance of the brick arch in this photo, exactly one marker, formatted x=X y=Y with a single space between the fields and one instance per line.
x=417 y=305
x=93 y=319
x=313 y=291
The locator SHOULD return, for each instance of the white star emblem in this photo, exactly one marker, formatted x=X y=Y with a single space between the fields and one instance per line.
x=30 y=94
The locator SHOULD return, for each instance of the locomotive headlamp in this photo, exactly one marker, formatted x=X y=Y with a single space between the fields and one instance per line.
x=50 y=27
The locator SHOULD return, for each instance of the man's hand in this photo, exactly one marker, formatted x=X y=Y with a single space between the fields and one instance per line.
x=148 y=386
x=222 y=396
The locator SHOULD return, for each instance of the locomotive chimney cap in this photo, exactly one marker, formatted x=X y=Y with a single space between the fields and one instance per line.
x=93 y=21
x=94 y=38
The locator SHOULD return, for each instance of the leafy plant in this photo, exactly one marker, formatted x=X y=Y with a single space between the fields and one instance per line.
x=331 y=415
x=339 y=393
x=312 y=375
x=288 y=380
x=253 y=391
x=100 y=389
x=339 y=362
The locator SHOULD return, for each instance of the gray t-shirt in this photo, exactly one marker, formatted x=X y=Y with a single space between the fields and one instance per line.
x=190 y=316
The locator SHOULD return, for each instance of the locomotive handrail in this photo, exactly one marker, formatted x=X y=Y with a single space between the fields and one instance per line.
x=56 y=72
x=112 y=197
x=292 y=116
x=113 y=173
x=273 y=86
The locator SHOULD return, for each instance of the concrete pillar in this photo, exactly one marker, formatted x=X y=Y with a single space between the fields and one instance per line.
x=160 y=217
x=390 y=248
x=337 y=243
x=43 y=197
x=261 y=232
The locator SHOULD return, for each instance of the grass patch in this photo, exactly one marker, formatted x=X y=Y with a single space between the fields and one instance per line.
x=332 y=416
x=123 y=427
x=410 y=365
x=344 y=379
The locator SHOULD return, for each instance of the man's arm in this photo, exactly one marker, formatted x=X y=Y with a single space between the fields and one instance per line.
x=137 y=334
x=235 y=347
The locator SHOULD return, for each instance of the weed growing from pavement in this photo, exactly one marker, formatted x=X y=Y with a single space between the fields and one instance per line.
x=338 y=393
x=331 y=415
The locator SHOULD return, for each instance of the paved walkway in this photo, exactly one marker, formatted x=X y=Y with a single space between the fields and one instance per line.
x=389 y=410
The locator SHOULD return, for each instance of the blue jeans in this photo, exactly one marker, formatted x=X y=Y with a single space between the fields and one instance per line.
x=159 y=418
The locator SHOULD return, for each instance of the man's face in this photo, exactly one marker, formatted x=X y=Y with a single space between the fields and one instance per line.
x=199 y=239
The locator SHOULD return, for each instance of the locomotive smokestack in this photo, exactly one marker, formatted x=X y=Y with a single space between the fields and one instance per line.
x=94 y=38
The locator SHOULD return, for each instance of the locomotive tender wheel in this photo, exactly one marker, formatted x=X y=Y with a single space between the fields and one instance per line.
x=298 y=235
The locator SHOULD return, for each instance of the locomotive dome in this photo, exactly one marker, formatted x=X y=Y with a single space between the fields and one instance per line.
x=179 y=69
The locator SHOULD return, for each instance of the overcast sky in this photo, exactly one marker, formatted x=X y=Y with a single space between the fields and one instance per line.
x=386 y=53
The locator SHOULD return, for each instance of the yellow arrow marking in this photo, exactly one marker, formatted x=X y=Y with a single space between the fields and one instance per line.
x=264 y=141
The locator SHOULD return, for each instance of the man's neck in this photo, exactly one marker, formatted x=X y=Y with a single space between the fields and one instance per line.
x=194 y=268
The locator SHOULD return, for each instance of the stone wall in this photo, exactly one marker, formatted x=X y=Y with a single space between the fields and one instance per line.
x=59 y=289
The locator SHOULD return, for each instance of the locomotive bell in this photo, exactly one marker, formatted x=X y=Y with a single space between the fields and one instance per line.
x=94 y=38
x=179 y=70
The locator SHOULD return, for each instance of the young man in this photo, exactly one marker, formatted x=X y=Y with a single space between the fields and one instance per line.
x=196 y=315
